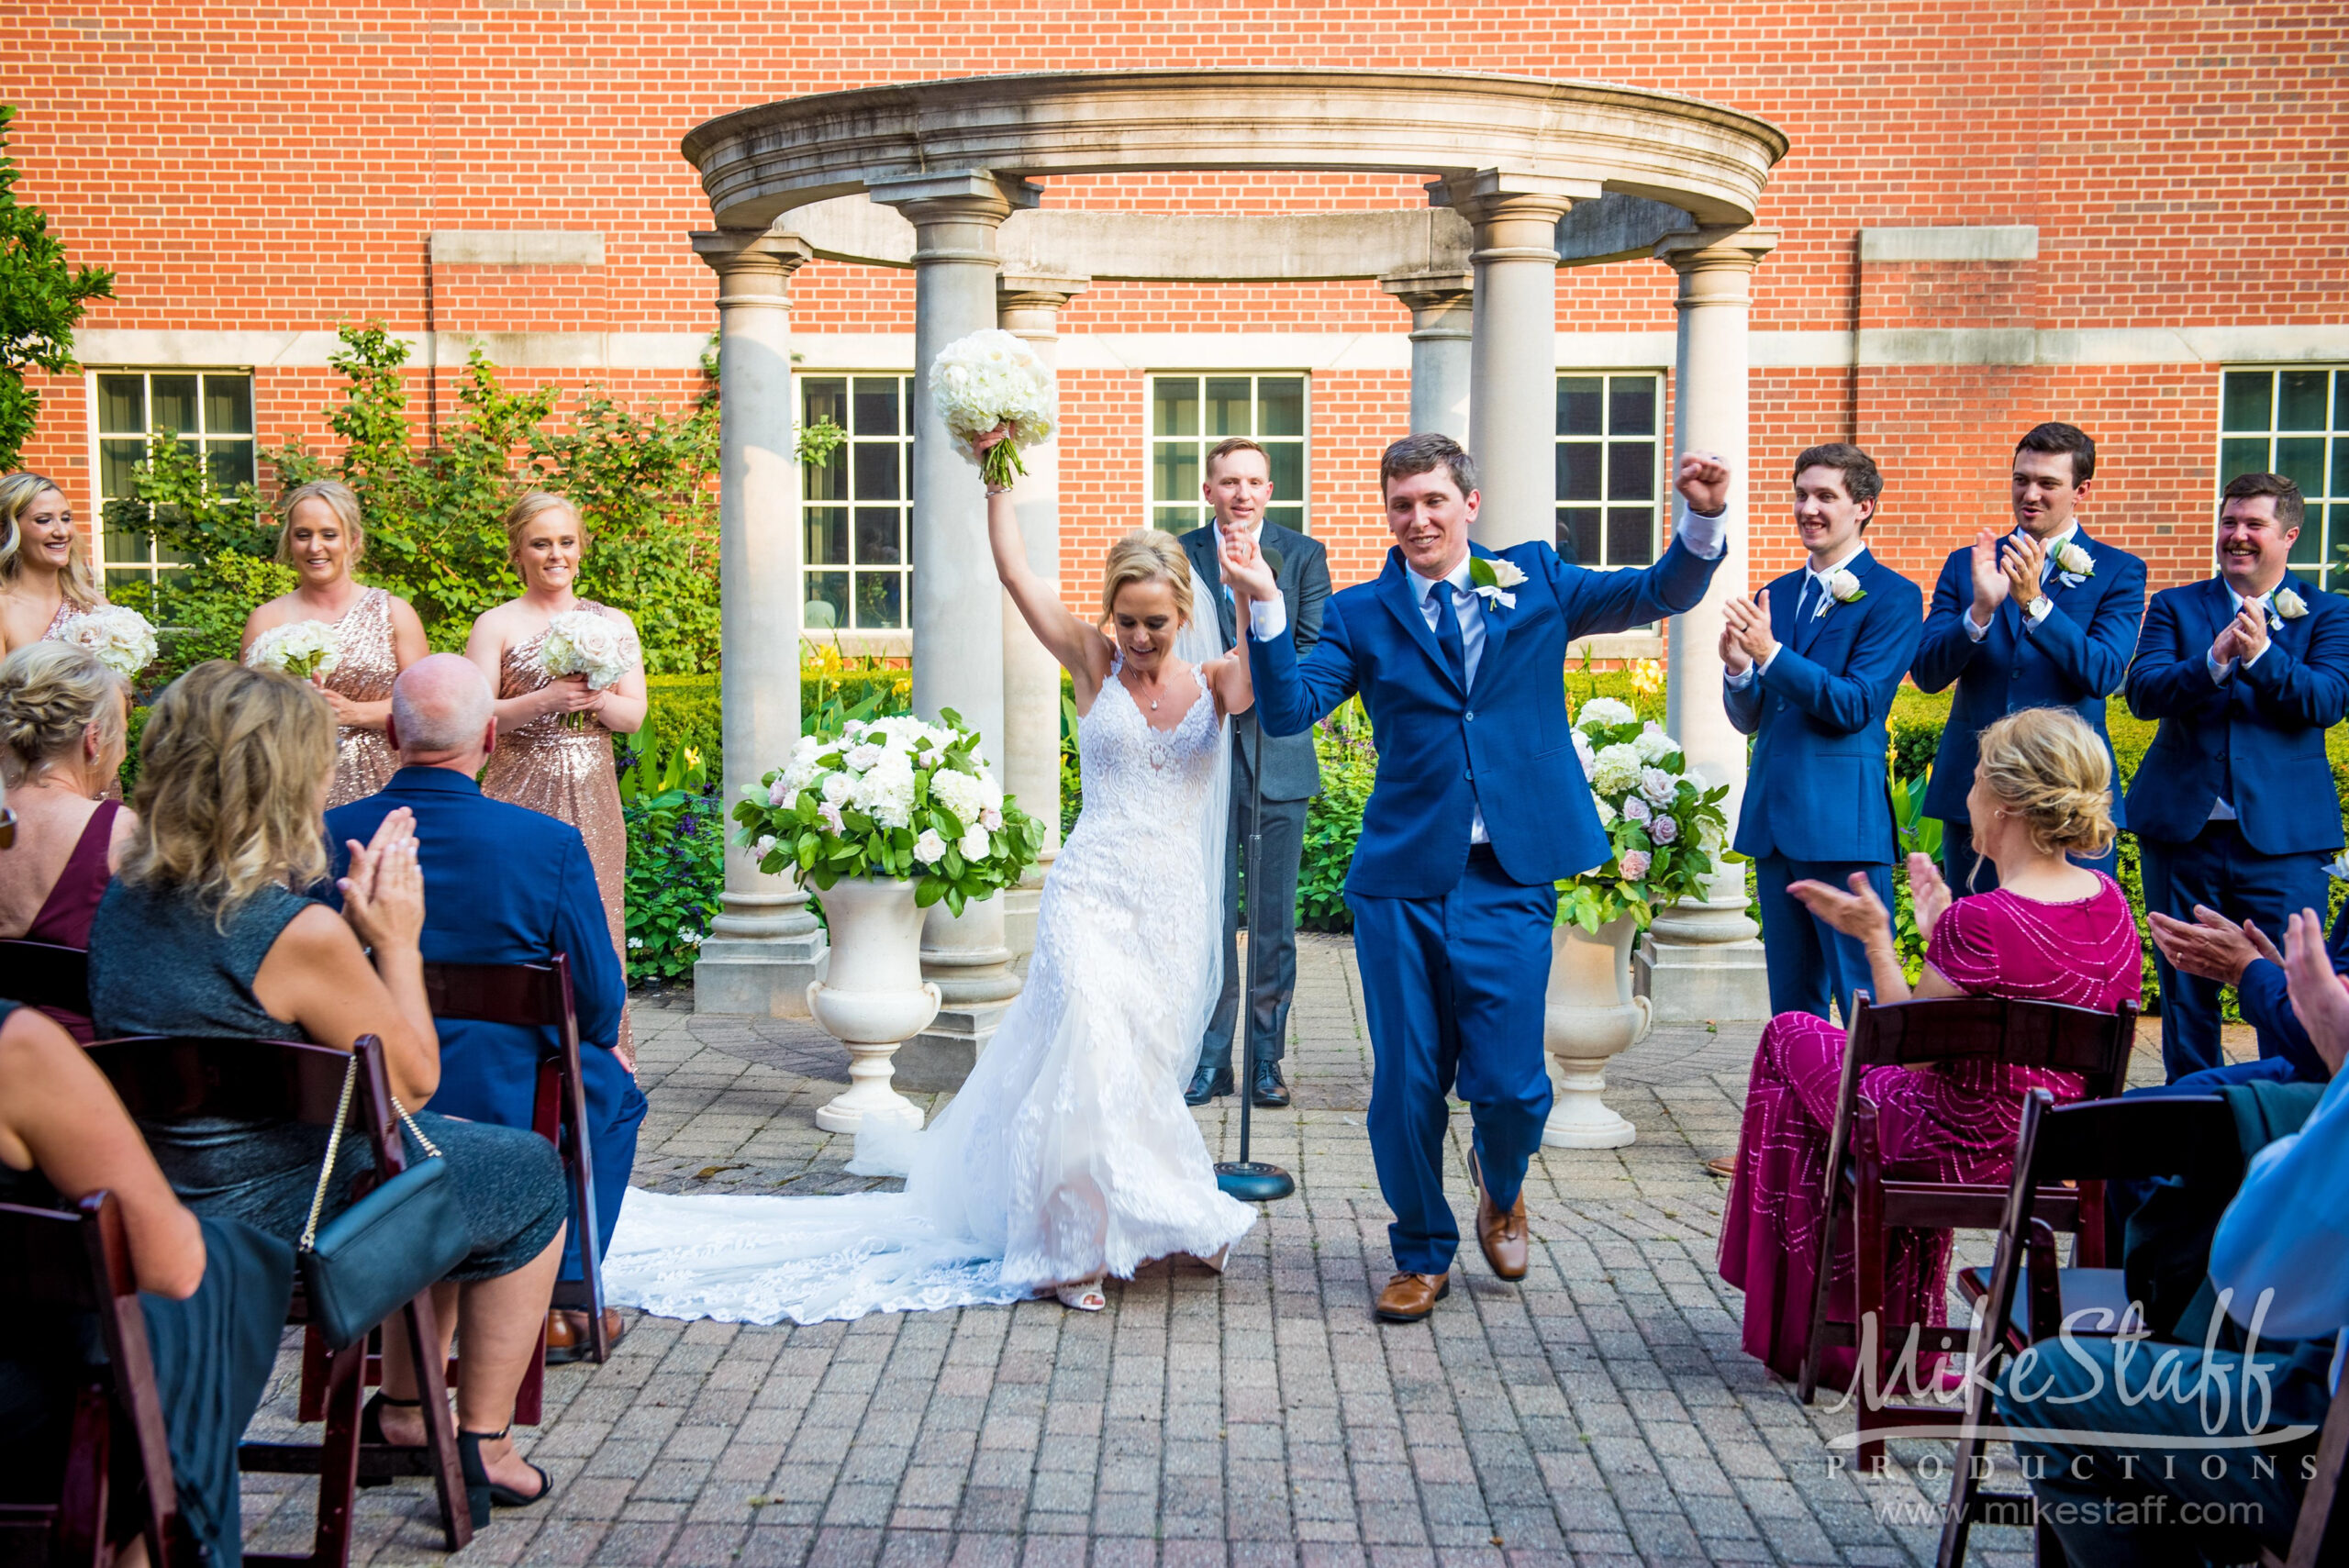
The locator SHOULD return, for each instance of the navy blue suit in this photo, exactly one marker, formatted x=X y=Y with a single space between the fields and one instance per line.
x=1454 y=945
x=2255 y=741
x=2075 y=656
x=1817 y=804
x=506 y=884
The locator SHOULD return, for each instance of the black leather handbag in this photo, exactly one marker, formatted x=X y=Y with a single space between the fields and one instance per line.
x=387 y=1247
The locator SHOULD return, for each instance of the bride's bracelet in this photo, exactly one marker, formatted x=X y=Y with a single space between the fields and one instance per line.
x=998 y=489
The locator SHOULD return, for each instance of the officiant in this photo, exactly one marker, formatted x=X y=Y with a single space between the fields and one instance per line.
x=1237 y=485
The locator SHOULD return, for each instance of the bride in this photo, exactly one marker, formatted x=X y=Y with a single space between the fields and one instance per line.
x=1068 y=1156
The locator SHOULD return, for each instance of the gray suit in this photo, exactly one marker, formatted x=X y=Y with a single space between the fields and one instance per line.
x=1292 y=776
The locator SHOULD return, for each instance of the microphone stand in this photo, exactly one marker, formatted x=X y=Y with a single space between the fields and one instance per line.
x=1248 y=1180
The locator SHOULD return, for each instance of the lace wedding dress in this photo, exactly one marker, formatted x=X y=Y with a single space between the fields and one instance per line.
x=1068 y=1151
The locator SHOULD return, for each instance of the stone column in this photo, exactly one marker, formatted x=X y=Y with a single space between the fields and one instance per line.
x=1700 y=961
x=1030 y=308
x=957 y=610
x=1443 y=306
x=1513 y=355
x=765 y=946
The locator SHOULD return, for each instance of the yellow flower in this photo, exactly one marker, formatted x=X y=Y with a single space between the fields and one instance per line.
x=693 y=757
x=1647 y=677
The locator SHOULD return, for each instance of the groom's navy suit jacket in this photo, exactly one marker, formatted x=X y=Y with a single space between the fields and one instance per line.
x=2076 y=657
x=1506 y=747
x=2258 y=739
x=1816 y=788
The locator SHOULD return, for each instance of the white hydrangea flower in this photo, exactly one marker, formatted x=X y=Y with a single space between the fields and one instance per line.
x=1654 y=744
x=1658 y=785
x=1604 y=713
x=974 y=844
x=886 y=795
x=1605 y=812
x=1616 y=769
x=958 y=792
x=930 y=849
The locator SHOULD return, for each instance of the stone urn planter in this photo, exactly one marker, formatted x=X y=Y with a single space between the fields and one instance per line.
x=1591 y=1016
x=874 y=998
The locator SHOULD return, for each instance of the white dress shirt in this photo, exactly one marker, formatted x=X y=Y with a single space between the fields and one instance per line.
x=1705 y=537
x=1819 y=599
x=2042 y=607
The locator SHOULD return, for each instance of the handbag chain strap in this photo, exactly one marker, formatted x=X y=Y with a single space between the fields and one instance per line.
x=334 y=1147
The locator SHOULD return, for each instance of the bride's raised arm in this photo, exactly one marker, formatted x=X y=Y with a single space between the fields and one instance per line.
x=1081 y=649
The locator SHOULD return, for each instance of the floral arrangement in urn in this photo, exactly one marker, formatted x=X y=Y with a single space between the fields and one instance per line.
x=895 y=798
x=1659 y=820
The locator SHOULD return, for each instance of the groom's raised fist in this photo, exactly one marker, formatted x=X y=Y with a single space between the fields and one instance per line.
x=1702 y=480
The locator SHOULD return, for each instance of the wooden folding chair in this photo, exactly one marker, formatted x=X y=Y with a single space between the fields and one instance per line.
x=2321 y=1534
x=118 y=1458
x=163 y=1079
x=1866 y=1192
x=538 y=996
x=42 y=974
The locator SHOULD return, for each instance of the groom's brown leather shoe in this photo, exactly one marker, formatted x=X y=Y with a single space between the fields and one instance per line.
x=1502 y=1236
x=1409 y=1297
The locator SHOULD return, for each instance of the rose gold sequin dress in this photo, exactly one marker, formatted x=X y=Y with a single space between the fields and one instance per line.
x=567 y=774
x=364 y=760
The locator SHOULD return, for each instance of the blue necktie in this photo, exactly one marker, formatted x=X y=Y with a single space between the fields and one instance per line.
x=1447 y=632
x=1803 y=603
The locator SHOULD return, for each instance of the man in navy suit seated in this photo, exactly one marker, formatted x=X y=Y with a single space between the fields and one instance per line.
x=2046 y=617
x=2243 y=956
x=505 y=884
x=1812 y=663
x=2233 y=806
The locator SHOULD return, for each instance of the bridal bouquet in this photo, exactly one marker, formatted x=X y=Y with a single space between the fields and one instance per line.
x=581 y=642
x=120 y=637
x=892 y=798
x=303 y=648
x=987 y=379
x=1662 y=825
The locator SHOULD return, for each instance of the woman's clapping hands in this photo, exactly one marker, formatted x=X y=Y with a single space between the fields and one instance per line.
x=383 y=895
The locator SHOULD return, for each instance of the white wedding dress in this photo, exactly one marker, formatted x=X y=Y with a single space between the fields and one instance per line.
x=1069 y=1151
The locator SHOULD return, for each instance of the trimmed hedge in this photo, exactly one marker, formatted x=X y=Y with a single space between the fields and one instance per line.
x=686 y=710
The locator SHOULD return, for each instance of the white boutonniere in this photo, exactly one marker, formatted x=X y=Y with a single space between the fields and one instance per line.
x=2073 y=564
x=2338 y=868
x=2290 y=606
x=1491 y=578
x=1842 y=588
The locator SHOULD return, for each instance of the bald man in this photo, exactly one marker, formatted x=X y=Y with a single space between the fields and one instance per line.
x=505 y=884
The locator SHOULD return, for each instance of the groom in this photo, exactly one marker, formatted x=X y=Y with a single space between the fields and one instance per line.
x=1481 y=806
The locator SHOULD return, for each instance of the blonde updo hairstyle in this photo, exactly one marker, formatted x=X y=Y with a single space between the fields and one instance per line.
x=336 y=498
x=527 y=509
x=77 y=581
x=50 y=695
x=232 y=767
x=1146 y=555
x=2047 y=767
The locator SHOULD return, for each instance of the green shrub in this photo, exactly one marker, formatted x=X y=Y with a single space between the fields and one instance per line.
x=683 y=711
x=676 y=848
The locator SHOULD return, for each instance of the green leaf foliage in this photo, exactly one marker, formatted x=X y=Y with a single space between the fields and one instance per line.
x=42 y=298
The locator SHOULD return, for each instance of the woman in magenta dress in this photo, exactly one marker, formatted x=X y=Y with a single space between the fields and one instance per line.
x=2054 y=931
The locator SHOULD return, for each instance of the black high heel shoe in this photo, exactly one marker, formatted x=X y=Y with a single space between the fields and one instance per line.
x=371 y=1429
x=480 y=1490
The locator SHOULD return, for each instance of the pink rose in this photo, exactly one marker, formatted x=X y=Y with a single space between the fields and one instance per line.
x=1664 y=830
x=832 y=816
x=1637 y=809
x=1635 y=864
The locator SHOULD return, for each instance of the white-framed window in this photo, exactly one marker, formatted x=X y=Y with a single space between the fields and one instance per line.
x=2294 y=421
x=1610 y=466
x=856 y=507
x=211 y=412
x=1190 y=414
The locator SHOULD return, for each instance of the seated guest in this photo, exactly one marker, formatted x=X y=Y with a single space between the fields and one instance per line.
x=213 y=1291
x=2282 y=1251
x=2214 y=948
x=63 y=717
x=202 y=933
x=506 y=884
x=2052 y=932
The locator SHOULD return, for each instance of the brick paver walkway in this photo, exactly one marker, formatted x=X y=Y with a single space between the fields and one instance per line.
x=1601 y=1412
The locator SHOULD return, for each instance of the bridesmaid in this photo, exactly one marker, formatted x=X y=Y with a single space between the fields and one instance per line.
x=377 y=633
x=45 y=574
x=541 y=761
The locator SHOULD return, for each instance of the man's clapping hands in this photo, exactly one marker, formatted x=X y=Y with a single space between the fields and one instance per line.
x=2318 y=996
x=1746 y=643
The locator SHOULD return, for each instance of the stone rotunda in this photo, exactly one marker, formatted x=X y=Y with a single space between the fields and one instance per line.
x=1523 y=176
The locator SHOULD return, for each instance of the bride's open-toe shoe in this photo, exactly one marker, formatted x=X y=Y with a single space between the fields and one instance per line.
x=1085 y=1296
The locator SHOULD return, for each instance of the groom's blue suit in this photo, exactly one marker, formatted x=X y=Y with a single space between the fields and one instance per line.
x=1454 y=942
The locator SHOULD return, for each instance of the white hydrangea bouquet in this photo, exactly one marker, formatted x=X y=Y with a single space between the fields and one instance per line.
x=123 y=640
x=988 y=379
x=581 y=642
x=304 y=650
x=894 y=797
x=1662 y=823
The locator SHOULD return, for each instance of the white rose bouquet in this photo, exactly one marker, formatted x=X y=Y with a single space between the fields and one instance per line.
x=581 y=642
x=988 y=379
x=895 y=798
x=122 y=637
x=304 y=650
x=1660 y=822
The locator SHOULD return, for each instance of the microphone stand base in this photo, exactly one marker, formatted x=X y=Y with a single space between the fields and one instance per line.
x=1251 y=1181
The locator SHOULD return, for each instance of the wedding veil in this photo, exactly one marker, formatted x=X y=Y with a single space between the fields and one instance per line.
x=1198 y=644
